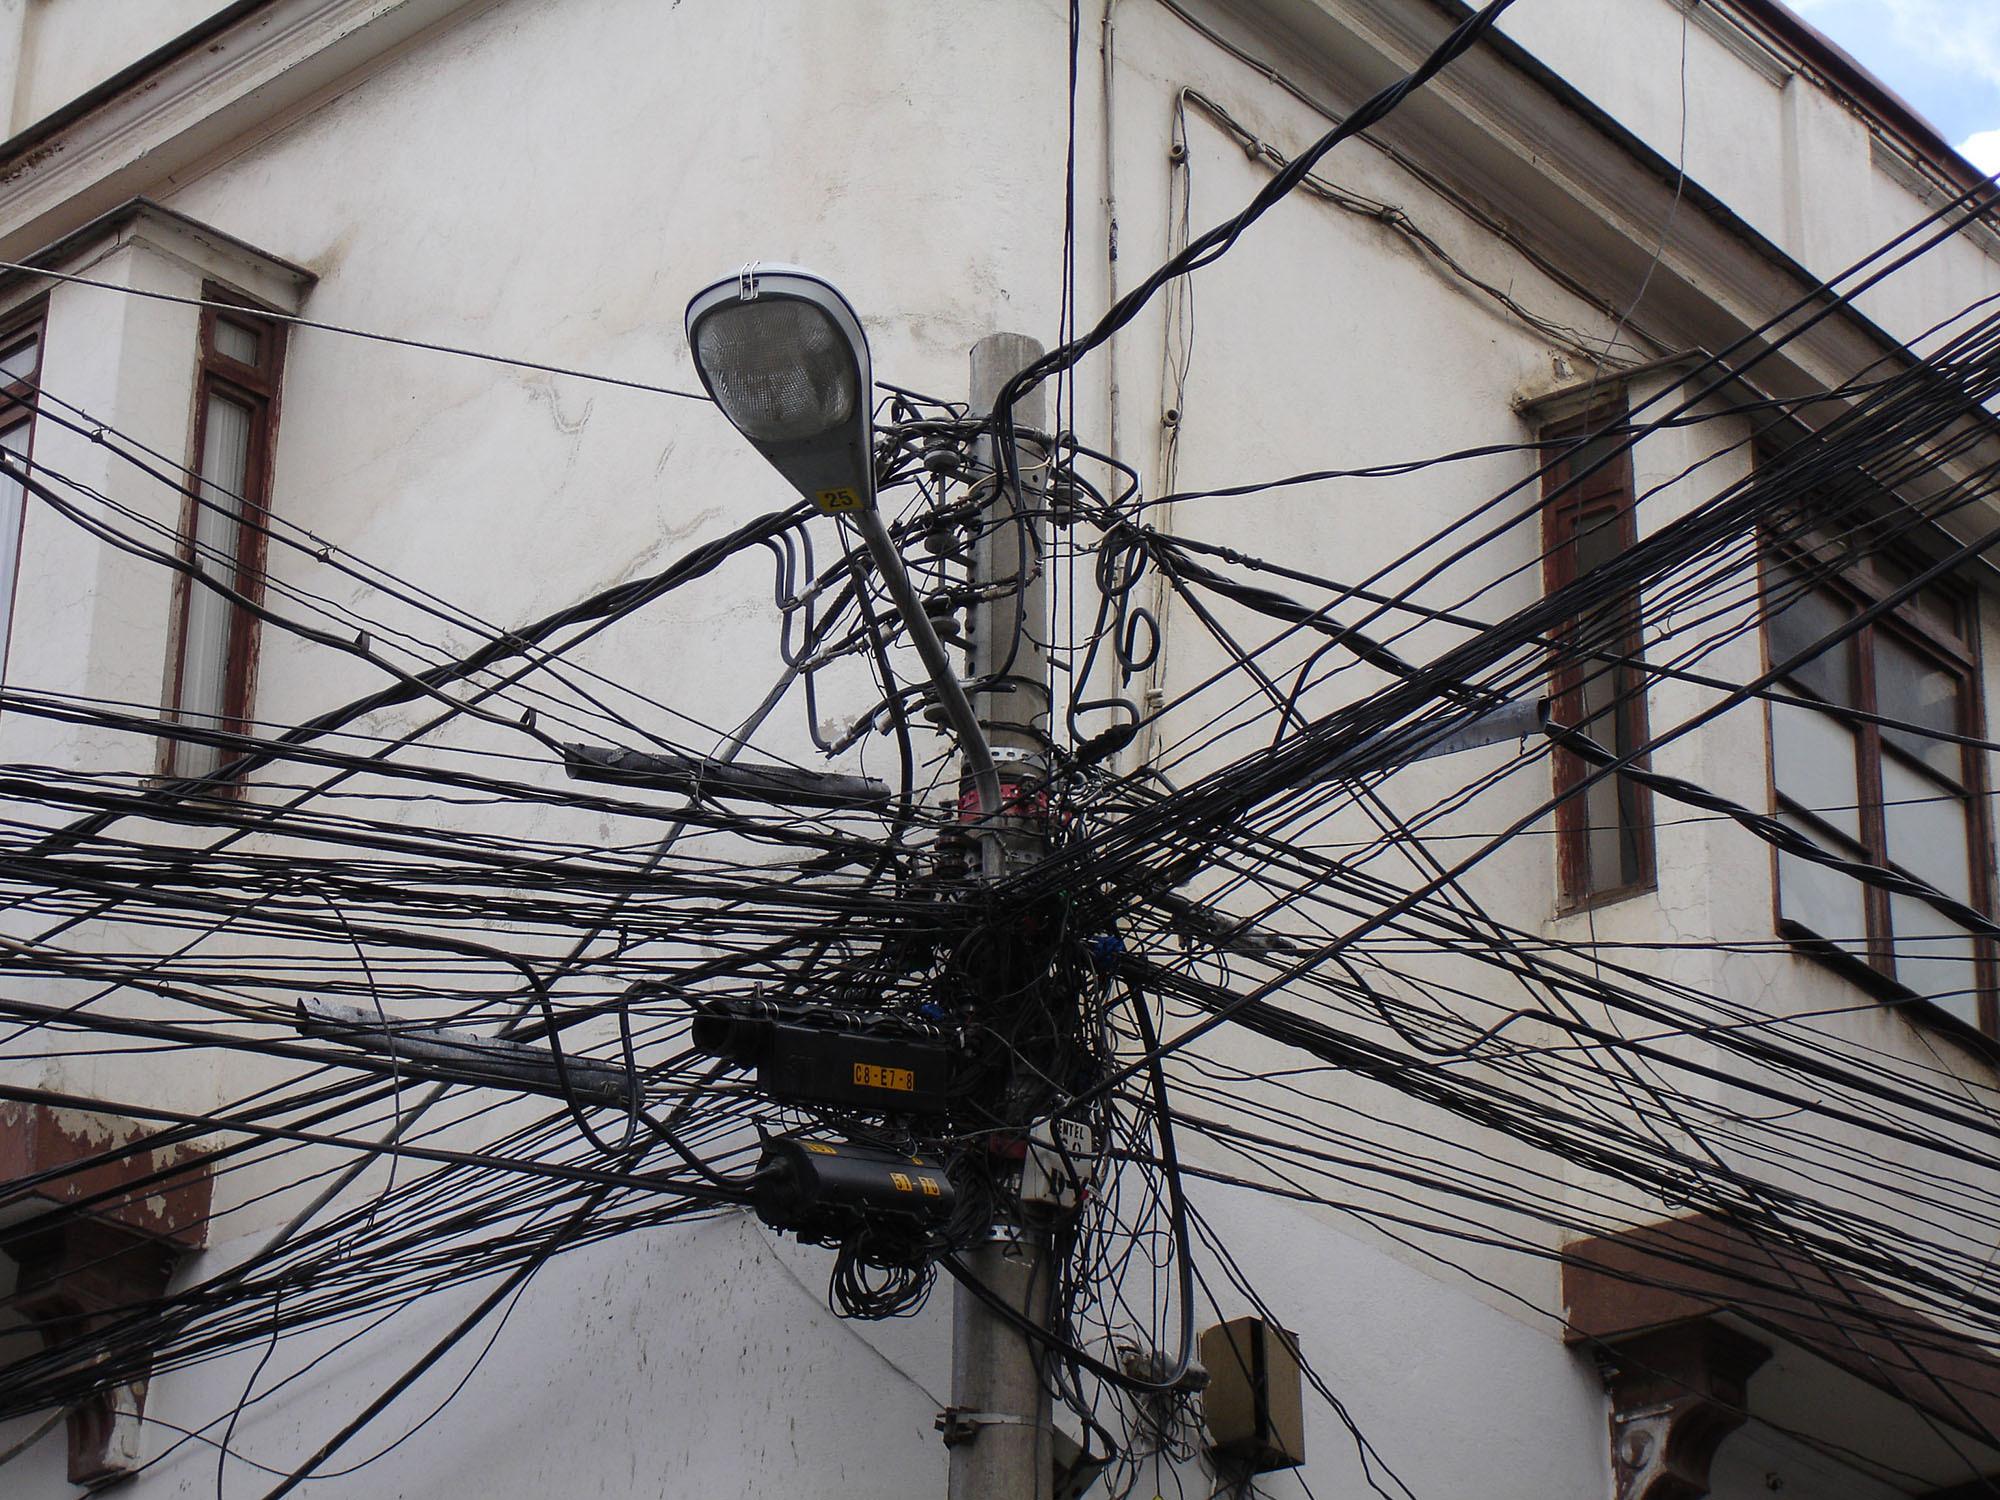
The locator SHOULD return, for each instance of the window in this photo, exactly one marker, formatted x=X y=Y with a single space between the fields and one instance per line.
x=1891 y=796
x=1604 y=833
x=236 y=401
x=20 y=375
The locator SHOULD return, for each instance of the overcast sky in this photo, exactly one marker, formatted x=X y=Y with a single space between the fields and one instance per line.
x=1942 y=56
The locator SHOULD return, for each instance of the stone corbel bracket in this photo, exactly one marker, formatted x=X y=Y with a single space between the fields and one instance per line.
x=1676 y=1393
x=97 y=1217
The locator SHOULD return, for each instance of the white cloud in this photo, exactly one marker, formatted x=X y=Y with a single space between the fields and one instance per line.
x=1956 y=35
x=1983 y=151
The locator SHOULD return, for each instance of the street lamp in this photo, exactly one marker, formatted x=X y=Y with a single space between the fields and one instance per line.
x=783 y=354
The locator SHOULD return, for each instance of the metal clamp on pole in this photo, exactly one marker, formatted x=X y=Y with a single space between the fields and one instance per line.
x=960 y=1426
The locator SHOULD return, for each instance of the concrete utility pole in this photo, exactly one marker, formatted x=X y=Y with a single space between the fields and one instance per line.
x=1002 y=1438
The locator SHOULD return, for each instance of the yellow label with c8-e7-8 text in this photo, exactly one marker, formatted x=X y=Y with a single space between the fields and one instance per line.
x=871 y=1076
x=835 y=501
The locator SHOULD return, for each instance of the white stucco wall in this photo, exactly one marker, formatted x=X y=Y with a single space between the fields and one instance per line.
x=551 y=179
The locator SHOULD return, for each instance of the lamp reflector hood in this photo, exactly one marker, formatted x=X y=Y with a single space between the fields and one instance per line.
x=784 y=357
x=779 y=369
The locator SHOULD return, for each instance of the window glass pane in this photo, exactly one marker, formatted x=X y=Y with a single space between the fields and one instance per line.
x=1610 y=812
x=1599 y=538
x=237 y=341
x=1940 y=606
x=1946 y=610
x=1929 y=828
x=1813 y=759
x=1611 y=805
x=1825 y=902
x=1934 y=957
x=1890 y=570
x=1800 y=620
x=225 y=449
x=1611 y=835
x=204 y=684
x=1584 y=454
x=12 y=498
x=1630 y=866
x=1916 y=690
x=17 y=361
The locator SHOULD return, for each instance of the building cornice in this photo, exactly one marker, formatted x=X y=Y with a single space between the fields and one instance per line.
x=250 y=63
x=277 y=283
x=1802 y=47
x=127 y=77
x=1525 y=153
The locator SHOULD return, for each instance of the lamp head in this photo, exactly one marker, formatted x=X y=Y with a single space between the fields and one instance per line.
x=783 y=355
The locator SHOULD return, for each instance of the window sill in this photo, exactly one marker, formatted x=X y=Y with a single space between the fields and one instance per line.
x=1602 y=899
x=1887 y=993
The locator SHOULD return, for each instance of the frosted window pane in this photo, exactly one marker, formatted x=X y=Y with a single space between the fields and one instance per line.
x=1610 y=805
x=1825 y=902
x=236 y=341
x=204 y=685
x=1600 y=538
x=1800 y=621
x=1910 y=688
x=1612 y=847
x=1934 y=957
x=12 y=497
x=1585 y=454
x=17 y=362
x=1928 y=833
x=1812 y=756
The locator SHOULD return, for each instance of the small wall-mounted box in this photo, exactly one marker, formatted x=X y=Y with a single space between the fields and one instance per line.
x=1253 y=1405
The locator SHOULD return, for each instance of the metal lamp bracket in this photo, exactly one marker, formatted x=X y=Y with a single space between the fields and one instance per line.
x=957 y=1425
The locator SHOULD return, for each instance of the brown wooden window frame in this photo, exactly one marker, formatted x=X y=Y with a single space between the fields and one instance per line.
x=19 y=402
x=1932 y=635
x=255 y=386
x=1600 y=496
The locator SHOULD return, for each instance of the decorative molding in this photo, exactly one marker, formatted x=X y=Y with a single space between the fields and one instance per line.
x=213 y=253
x=191 y=103
x=1762 y=59
x=1617 y=1287
x=1566 y=392
x=1909 y=174
x=1676 y=1393
x=73 y=1280
x=108 y=1219
x=1798 y=45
